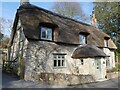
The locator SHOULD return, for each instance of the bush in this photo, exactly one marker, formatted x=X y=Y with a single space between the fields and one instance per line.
x=116 y=69
x=118 y=65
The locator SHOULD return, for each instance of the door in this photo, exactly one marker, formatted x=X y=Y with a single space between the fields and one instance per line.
x=98 y=73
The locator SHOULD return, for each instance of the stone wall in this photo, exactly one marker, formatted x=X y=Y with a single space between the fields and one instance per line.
x=111 y=75
x=40 y=58
x=39 y=64
x=17 y=52
x=111 y=57
x=90 y=67
x=61 y=79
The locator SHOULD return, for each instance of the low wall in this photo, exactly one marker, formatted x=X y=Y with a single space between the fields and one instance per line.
x=60 y=79
x=111 y=75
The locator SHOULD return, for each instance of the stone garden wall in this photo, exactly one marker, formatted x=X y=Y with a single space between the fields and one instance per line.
x=61 y=79
x=111 y=75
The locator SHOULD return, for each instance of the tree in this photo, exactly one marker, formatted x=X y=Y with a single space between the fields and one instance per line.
x=70 y=9
x=5 y=42
x=108 y=19
x=5 y=30
x=6 y=26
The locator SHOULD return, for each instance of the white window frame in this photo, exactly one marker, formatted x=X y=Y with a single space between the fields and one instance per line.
x=46 y=30
x=105 y=43
x=59 y=58
x=82 y=39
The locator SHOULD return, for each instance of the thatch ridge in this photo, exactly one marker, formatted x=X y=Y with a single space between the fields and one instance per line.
x=31 y=6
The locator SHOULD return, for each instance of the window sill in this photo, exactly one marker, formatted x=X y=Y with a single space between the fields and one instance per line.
x=59 y=67
x=46 y=40
x=83 y=44
x=106 y=47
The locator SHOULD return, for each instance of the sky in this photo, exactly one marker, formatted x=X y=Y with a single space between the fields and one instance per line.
x=8 y=9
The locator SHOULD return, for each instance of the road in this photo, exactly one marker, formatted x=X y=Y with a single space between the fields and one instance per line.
x=113 y=83
x=12 y=81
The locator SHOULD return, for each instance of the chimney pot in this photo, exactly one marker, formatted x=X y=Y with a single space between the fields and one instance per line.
x=94 y=21
x=24 y=2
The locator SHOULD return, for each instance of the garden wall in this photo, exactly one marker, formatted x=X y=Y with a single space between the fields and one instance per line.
x=60 y=78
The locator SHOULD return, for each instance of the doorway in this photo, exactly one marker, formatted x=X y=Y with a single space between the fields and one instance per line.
x=98 y=72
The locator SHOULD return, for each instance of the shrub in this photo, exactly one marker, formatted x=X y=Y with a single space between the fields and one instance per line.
x=116 y=69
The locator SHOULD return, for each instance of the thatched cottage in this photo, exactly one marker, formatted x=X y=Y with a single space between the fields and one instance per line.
x=47 y=47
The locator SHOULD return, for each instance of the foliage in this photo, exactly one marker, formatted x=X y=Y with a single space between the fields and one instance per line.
x=70 y=9
x=115 y=69
x=118 y=55
x=5 y=42
x=107 y=15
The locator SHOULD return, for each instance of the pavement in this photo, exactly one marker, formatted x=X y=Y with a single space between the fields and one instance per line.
x=13 y=81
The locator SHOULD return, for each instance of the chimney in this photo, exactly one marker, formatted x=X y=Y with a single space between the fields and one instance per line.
x=94 y=21
x=22 y=2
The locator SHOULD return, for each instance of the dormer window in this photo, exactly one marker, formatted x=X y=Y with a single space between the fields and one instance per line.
x=46 y=33
x=105 y=43
x=82 y=39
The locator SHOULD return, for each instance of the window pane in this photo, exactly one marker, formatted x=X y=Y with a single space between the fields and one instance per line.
x=46 y=33
x=58 y=56
x=43 y=34
x=54 y=56
x=105 y=43
x=59 y=63
x=82 y=62
x=82 y=39
x=63 y=57
x=55 y=63
x=62 y=62
x=49 y=34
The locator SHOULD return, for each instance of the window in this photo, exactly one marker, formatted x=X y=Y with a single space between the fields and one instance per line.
x=82 y=39
x=82 y=62
x=105 y=43
x=46 y=33
x=103 y=62
x=59 y=60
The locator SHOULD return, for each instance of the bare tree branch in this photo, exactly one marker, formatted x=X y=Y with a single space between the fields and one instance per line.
x=70 y=9
x=6 y=25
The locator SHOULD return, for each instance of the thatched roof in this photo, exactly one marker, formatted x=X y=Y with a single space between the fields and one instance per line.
x=66 y=30
x=86 y=51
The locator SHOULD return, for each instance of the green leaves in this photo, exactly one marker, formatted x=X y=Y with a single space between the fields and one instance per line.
x=107 y=16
